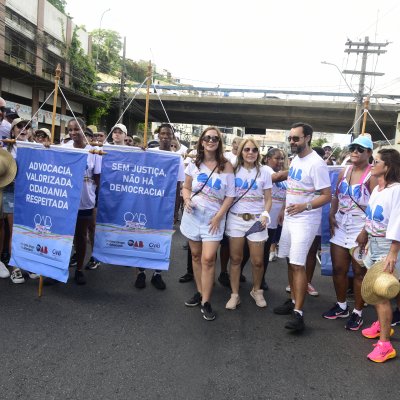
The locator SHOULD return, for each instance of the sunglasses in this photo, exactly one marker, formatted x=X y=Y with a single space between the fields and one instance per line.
x=2 y=109
x=356 y=147
x=294 y=138
x=376 y=162
x=248 y=149
x=213 y=139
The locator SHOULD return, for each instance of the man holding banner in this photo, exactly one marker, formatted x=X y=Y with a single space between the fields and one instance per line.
x=136 y=206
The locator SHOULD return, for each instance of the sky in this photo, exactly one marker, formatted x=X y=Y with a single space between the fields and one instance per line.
x=273 y=44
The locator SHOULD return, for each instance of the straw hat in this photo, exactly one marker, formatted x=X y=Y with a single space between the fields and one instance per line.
x=8 y=168
x=379 y=285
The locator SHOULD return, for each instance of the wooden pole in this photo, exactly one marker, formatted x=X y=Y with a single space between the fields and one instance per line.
x=146 y=116
x=53 y=125
x=366 y=106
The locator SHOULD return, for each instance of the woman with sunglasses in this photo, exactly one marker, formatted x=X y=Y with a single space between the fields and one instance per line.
x=347 y=218
x=382 y=233
x=250 y=210
x=19 y=131
x=208 y=192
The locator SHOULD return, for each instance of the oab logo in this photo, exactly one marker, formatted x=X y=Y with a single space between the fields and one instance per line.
x=154 y=245
x=135 y=220
x=138 y=244
x=42 y=249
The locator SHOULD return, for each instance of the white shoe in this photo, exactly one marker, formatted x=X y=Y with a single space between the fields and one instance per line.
x=233 y=302
x=288 y=288
x=272 y=256
x=311 y=290
x=4 y=272
x=16 y=276
x=32 y=275
x=258 y=296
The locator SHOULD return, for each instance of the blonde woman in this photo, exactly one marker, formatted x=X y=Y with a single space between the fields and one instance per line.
x=208 y=192
x=249 y=218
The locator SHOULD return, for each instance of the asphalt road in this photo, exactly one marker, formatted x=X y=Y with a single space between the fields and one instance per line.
x=108 y=340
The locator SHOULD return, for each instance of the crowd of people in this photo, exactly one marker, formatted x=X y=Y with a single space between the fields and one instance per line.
x=255 y=208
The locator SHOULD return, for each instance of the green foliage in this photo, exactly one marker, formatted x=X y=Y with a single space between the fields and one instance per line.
x=318 y=142
x=135 y=71
x=95 y=114
x=106 y=48
x=59 y=4
x=83 y=75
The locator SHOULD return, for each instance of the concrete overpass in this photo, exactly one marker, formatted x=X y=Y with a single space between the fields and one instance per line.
x=261 y=113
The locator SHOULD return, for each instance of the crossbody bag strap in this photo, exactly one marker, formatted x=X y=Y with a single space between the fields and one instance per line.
x=244 y=194
x=204 y=184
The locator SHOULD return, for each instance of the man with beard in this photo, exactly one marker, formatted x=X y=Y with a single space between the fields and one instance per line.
x=308 y=173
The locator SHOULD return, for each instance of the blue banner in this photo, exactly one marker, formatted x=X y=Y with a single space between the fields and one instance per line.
x=47 y=193
x=136 y=207
x=326 y=262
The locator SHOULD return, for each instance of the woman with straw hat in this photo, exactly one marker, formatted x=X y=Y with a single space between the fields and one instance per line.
x=382 y=232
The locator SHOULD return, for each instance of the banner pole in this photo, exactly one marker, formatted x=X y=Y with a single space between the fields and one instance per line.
x=366 y=107
x=53 y=125
x=146 y=116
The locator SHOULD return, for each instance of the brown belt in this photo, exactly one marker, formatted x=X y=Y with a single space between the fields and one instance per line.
x=246 y=216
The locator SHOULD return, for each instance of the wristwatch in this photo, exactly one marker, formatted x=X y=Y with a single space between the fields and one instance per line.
x=308 y=206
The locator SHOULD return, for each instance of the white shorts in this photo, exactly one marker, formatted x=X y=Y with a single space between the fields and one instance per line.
x=349 y=227
x=237 y=227
x=296 y=240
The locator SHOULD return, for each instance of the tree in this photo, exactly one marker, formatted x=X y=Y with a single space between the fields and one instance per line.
x=59 y=4
x=134 y=71
x=106 y=50
x=83 y=74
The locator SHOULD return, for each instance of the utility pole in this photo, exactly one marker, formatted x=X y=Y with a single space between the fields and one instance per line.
x=122 y=87
x=365 y=48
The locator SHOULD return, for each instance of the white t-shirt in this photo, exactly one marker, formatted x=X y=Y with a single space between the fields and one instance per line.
x=383 y=213
x=181 y=171
x=253 y=201
x=5 y=128
x=306 y=175
x=278 y=199
x=219 y=186
x=230 y=157
x=93 y=167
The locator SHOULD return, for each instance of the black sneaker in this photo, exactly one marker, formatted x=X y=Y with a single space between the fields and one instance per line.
x=354 y=323
x=296 y=323
x=79 y=278
x=223 y=279
x=73 y=261
x=285 y=309
x=208 y=313
x=194 y=301
x=396 y=317
x=186 y=278
x=336 y=312
x=92 y=263
x=157 y=281
x=140 y=280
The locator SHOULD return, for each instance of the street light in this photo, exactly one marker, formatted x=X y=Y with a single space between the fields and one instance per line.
x=341 y=74
x=98 y=41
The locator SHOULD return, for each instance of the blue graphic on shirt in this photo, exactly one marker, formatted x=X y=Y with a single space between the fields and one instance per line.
x=245 y=184
x=281 y=185
x=377 y=215
x=295 y=174
x=216 y=185
x=354 y=191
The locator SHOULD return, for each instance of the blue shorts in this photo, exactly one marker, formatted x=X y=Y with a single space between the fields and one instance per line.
x=195 y=226
x=378 y=249
x=8 y=200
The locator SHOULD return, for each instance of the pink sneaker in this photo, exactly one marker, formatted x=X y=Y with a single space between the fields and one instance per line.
x=374 y=331
x=382 y=352
x=311 y=290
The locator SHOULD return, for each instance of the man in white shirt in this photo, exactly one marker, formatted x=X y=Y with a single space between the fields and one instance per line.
x=308 y=173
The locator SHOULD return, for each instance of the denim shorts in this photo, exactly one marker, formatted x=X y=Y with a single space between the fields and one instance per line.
x=195 y=226
x=8 y=200
x=378 y=249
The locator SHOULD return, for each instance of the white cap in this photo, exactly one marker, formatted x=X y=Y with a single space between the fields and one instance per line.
x=120 y=126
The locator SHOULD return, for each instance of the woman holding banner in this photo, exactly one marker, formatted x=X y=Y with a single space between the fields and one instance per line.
x=347 y=218
x=76 y=128
x=208 y=192
x=249 y=218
